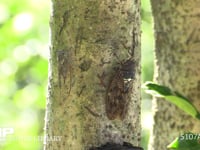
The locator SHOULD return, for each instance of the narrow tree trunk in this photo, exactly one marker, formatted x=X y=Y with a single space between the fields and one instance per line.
x=89 y=38
x=177 y=34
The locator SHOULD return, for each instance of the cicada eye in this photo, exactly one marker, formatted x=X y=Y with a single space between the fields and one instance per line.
x=128 y=75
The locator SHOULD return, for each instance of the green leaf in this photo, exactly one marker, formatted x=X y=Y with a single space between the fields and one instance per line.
x=173 y=97
x=161 y=90
x=186 y=141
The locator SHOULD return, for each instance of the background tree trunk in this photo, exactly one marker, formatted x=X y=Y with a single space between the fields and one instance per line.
x=89 y=38
x=177 y=34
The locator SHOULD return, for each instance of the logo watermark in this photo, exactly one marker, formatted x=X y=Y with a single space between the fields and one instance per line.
x=8 y=135
x=4 y=132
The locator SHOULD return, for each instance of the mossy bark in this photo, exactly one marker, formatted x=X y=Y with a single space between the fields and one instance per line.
x=89 y=38
x=177 y=35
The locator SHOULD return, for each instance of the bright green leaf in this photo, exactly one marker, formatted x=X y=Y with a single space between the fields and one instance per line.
x=173 y=97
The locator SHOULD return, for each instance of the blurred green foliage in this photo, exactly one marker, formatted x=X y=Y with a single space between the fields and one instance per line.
x=147 y=45
x=147 y=42
x=24 y=28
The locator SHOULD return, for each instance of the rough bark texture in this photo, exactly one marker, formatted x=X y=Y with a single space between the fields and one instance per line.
x=177 y=34
x=89 y=38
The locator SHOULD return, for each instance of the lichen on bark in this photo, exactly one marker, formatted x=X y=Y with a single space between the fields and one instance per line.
x=176 y=25
x=90 y=34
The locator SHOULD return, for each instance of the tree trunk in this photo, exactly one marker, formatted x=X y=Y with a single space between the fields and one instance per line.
x=177 y=35
x=92 y=42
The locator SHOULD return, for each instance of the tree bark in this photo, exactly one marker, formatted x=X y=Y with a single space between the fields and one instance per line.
x=177 y=36
x=89 y=38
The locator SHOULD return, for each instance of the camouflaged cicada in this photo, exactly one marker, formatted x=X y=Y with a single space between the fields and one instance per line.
x=118 y=90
